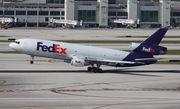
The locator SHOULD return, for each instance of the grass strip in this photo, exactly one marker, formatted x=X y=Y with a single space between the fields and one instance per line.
x=173 y=52
x=10 y=52
x=145 y=36
x=4 y=36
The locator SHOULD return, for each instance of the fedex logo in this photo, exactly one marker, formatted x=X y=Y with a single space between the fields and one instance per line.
x=79 y=62
x=148 y=50
x=55 y=48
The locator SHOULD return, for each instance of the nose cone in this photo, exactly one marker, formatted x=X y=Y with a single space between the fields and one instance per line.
x=11 y=45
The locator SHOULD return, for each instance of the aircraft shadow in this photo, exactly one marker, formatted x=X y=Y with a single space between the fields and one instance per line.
x=141 y=72
x=113 y=71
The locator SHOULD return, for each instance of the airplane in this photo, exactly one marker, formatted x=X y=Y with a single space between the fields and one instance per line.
x=92 y=56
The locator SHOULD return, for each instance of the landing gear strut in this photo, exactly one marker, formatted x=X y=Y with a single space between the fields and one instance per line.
x=95 y=69
x=32 y=61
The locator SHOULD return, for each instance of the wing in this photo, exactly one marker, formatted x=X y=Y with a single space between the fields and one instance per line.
x=106 y=61
x=94 y=59
x=148 y=59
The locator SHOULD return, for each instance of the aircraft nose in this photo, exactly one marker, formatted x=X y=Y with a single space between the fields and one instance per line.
x=11 y=45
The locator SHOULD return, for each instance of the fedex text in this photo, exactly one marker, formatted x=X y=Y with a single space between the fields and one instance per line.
x=55 y=48
x=148 y=50
x=79 y=62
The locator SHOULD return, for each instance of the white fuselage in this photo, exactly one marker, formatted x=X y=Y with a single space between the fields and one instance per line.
x=61 y=50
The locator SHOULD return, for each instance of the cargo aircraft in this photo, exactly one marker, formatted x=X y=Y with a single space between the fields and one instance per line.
x=84 y=55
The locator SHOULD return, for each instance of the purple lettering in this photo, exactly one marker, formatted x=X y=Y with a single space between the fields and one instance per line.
x=39 y=45
x=44 y=48
x=51 y=48
x=54 y=48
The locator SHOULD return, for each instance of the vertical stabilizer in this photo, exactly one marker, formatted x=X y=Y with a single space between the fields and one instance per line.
x=151 y=44
x=155 y=38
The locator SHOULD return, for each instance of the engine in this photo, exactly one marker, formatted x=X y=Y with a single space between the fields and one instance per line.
x=78 y=62
x=148 y=49
x=133 y=46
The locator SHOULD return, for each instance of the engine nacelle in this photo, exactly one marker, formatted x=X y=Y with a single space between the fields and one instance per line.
x=148 y=49
x=78 y=62
x=133 y=46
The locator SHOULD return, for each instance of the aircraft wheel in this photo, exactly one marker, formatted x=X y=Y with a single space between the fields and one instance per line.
x=89 y=69
x=100 y=70
x=95 y=70
x=31 y=62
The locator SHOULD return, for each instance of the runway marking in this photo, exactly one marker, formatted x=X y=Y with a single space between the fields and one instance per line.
x=30 y=90
x=108 y=89
x=6 y=91
x=25 y=105
x=178 y=88
x=2 y=82
x=68 y=90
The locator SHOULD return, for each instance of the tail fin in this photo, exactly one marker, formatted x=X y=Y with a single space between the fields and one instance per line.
x=155 y=38
x=150 y=45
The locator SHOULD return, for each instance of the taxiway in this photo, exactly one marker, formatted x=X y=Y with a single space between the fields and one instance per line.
x=52 y=84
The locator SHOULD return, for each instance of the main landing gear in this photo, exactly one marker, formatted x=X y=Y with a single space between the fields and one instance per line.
x=95 y=69
x=32 y=61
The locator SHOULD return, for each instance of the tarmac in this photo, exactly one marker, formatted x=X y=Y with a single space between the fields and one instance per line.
x=53 y=84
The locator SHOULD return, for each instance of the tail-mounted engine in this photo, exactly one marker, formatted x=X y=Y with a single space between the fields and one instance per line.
x=148 y=49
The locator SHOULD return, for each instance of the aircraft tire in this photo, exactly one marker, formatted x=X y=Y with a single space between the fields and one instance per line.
x=95 y=70
x=31 y=62
x=89 y=69
x=100 y=70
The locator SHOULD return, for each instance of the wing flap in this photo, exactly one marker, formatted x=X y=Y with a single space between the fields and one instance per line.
x=113 y=61
x=148 y=59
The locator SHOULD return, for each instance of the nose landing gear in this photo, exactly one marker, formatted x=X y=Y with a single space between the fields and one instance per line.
x=32 y=61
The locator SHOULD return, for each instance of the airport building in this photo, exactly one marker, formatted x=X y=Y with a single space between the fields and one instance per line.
x=93 y=12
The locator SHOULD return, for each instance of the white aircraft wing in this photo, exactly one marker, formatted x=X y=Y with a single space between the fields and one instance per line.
x=111 y=61
x=123 y=62
x=148 y=59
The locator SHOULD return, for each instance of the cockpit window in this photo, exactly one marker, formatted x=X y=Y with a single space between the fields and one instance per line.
x=17 y=42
